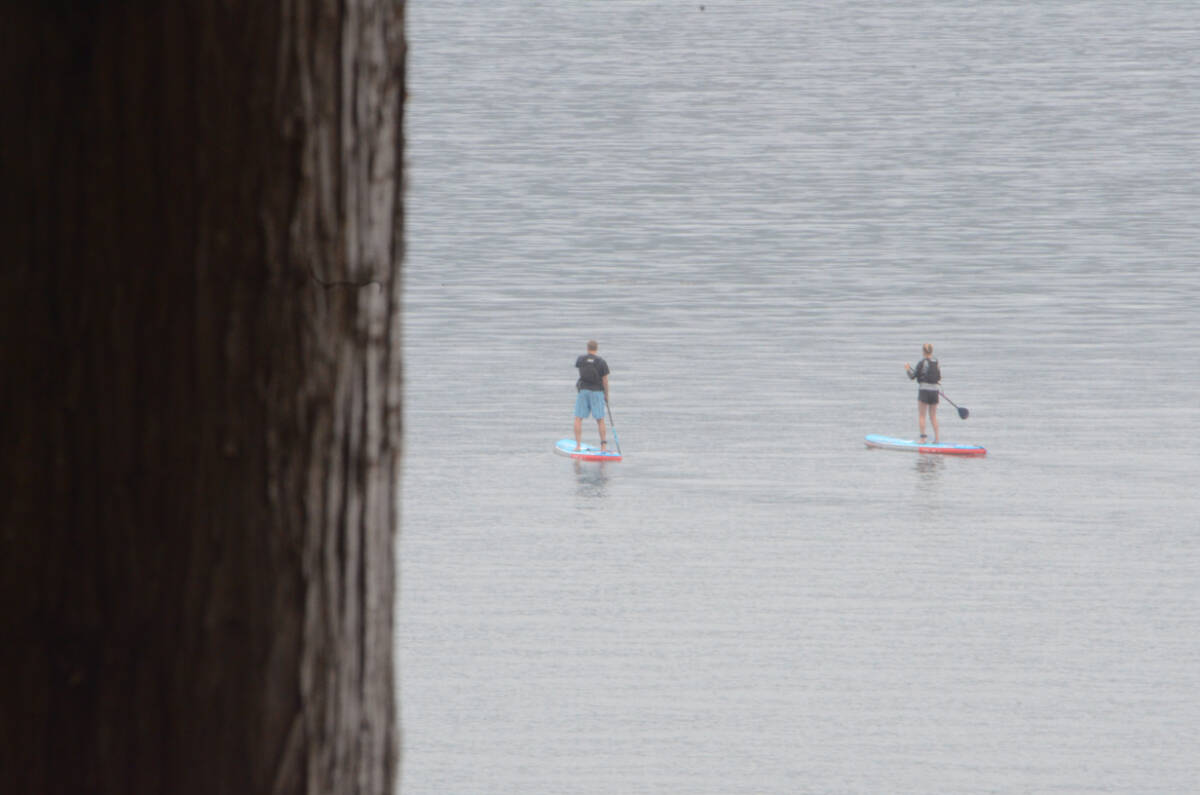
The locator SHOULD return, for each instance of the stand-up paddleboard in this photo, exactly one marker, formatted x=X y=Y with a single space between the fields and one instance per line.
x=890 y=443
x=585 y=452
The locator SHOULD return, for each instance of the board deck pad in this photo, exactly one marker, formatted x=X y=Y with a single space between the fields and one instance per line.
x=586 y=452
x=892 y=443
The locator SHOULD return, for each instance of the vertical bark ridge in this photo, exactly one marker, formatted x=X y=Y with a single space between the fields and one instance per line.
x=197 y=560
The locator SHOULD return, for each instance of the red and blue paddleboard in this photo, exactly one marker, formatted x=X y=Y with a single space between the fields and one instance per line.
x=890 y=443
x=585 y=452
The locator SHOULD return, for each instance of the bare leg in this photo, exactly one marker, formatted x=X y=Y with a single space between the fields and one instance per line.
x=922 y=408
x=578 y=431
x=933 y=419
x=603 y=435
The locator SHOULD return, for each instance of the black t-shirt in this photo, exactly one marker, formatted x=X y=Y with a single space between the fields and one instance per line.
x=591 y=370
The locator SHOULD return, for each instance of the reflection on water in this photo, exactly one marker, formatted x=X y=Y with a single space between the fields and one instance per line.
x=929 y=468
x=929 y=487
x=591 y=477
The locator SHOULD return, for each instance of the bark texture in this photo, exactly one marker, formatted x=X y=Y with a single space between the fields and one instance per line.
x=201 y=400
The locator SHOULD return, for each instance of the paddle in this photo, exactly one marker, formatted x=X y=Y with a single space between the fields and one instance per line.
x=612 y=424
x=964 y=413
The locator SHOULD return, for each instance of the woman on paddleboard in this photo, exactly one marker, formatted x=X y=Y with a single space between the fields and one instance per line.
x=928 y=377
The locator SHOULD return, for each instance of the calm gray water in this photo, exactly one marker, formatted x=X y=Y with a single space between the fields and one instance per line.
x=761 y=210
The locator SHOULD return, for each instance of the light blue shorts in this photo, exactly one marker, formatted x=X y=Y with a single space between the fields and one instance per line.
x=589 y=400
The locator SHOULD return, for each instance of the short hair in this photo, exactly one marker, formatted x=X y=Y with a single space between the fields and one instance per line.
x=927 y=348
x=593 y=345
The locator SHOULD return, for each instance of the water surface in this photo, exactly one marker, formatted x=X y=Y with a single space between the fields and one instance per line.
x=762 y=210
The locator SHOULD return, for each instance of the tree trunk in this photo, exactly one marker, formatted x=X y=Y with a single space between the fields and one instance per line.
x=201 y=407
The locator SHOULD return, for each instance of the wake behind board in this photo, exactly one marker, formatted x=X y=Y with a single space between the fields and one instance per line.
x=585 y=452
x=890 y=443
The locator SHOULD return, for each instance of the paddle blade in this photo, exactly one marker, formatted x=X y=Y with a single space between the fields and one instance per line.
x=963 y=412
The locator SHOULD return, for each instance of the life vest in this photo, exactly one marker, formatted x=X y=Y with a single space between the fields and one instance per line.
x=928 y=371
x=589 y=374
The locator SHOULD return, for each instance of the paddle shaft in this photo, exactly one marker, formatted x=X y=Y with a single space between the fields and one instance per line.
x=961 y=411
x=612 y=423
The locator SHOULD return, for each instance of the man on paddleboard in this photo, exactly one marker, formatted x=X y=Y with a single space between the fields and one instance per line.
x=592 y=392
x=928 y=376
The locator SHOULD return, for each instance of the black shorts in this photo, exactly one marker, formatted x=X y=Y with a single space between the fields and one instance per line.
x=928 y=396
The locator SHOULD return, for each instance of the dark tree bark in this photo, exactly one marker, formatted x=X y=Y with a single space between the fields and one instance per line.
x=201 y=399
